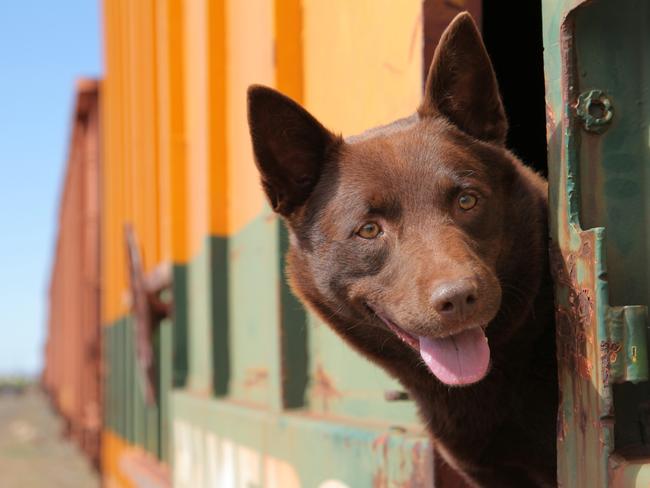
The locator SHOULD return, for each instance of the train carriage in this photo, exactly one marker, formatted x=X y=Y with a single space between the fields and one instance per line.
x=177 y=352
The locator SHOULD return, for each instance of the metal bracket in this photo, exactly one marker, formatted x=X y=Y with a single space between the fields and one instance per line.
x=147 y=309
x=624 y=355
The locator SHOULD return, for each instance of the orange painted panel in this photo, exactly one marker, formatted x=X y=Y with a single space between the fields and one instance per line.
x=171 y=130
x=289 y=48
x=219 y=192
x=132 y=191
x=250 y=60
x=127 y=466
x=112 y=155
x=113 y=448
x=196 y=120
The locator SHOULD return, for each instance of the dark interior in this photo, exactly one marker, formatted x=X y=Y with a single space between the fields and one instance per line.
x=512 y=32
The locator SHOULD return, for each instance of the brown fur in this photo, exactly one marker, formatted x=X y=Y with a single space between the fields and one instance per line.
x=406 y=176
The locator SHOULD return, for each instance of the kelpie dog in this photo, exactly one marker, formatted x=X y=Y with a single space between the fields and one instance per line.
x=423 y=244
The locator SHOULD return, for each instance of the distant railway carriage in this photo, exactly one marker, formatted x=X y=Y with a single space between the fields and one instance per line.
x=176 y=352
x=72 y=374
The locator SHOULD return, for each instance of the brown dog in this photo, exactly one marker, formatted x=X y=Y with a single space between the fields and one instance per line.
x=423 y=243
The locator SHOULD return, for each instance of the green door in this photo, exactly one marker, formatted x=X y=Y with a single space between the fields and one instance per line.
x=597 y=64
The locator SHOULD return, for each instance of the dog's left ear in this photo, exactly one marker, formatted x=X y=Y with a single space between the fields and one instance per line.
x=462 y=85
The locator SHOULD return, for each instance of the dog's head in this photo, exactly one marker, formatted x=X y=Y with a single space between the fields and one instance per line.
x=405 y=227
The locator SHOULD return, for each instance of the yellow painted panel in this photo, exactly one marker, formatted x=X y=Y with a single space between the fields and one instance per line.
x=250 y=60
x=363 y=61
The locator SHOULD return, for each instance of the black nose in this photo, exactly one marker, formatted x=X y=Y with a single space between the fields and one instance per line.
x=455 y=300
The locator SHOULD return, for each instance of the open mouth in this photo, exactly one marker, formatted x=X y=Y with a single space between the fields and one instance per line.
x=459 y=359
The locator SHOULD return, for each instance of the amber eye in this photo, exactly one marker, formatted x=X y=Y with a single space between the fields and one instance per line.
x=467 y=201
x=369 y=230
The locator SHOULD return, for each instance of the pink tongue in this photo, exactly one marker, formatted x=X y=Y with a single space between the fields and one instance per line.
x=460 y=359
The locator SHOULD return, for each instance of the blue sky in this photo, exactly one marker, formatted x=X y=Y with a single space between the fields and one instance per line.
x=44 y=47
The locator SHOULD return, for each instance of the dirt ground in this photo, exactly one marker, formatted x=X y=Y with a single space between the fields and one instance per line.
x=32 y=452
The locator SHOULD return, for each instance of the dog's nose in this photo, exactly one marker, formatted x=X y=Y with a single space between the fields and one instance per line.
x=455 y=300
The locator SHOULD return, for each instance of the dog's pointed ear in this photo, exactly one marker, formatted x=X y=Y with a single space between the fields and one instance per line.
x=462 y=85
x=290 y=147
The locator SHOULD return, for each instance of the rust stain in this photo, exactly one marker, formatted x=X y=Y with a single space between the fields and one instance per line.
x=379 y=479
x=575 y=317
x=235 y=253
x=255 y=376
x=608 y=355
x=380 y=442
x=422 y=466
x=324 y=387
x=550 y=121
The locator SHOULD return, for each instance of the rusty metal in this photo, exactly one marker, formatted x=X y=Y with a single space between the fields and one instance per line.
x=596 y=111
x=148 y=309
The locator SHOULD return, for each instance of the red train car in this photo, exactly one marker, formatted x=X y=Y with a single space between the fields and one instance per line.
x=72 y=374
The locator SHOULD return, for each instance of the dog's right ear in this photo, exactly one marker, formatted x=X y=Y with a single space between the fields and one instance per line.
x=462 y=85
x=290 y=147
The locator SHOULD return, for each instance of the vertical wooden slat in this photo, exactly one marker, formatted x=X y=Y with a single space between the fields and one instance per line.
x=195 y=94
x=289 y=79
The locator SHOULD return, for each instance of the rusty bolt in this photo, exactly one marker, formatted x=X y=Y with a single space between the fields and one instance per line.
x=596 y=111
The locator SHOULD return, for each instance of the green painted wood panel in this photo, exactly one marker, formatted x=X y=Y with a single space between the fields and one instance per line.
x=345 y=384
x=165 y=383
x=179 y=353
x=127 y=413
x=219 y=443
x=265 y=349
x=220 y=314
x=254 y=313
x=200 y=322
x=294 y=334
